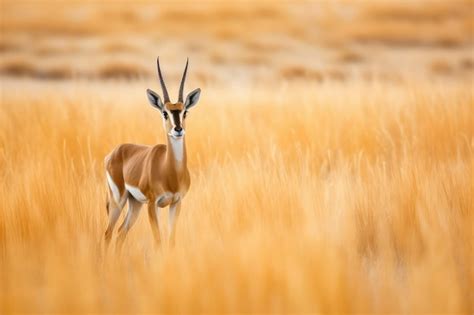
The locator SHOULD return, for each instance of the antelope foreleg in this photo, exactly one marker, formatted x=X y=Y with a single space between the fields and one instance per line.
x=175 y=209
x=153 y=215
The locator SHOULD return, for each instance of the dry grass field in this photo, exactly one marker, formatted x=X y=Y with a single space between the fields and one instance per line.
x=331 y=160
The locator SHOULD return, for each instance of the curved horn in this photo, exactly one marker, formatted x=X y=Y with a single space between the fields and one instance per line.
x=163 y=86
x=181 y=87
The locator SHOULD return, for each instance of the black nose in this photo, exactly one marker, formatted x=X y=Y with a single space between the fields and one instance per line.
x=178 y=129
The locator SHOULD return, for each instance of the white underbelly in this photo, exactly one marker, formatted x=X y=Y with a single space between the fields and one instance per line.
x=162 y=200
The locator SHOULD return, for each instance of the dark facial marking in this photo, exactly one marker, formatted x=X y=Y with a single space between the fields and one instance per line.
x=176 y=119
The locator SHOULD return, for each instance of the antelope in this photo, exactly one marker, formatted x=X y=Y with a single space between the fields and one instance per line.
x=156 y=175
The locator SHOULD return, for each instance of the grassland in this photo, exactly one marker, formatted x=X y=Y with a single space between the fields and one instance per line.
x=331 y=156
x=353 y=199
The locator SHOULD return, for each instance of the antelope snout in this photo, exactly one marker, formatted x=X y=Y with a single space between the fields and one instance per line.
x=177 y=132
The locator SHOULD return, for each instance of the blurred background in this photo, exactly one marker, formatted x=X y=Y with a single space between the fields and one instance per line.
x=238 y=43
x=359 y=201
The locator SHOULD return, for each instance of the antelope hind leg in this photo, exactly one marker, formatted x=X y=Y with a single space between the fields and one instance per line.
x=134 y=207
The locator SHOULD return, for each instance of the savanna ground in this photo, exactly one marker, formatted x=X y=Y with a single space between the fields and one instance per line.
x=331 y=156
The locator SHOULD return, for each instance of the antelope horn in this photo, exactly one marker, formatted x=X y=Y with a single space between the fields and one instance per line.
x=181 y=87
x=163 y=86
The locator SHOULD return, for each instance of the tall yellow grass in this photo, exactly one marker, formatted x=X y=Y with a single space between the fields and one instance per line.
x=339 y=197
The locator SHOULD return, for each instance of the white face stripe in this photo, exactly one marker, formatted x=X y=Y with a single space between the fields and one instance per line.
x=136 y=193
x=113 y=188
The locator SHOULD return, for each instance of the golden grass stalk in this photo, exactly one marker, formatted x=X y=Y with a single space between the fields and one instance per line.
x=339 y=198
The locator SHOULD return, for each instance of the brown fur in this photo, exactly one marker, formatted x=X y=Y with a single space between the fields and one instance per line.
x=152 y=169
x=159 y=176
x=155 y=171
x=174 y=106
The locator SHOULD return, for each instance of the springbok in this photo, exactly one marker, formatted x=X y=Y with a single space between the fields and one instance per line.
x=156 y=175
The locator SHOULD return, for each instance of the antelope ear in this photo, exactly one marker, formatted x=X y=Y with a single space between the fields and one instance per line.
x=192 y=98
x=154 y=100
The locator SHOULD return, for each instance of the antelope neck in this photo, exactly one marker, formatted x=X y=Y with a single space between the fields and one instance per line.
x=176 y=153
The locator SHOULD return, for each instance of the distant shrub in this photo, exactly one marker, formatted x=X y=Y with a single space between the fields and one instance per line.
x=336 y=74
x=217 y=58
x=17 y=67
x=467 y=63
x=441 y=66
x=9 y=46
x=122 y=70
x=350 y=56
x=294 y=72
x=254 y=59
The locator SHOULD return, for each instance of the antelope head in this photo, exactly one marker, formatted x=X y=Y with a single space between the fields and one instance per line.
x=174 y=114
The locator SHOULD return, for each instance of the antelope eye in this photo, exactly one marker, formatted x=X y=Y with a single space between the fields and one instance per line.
x=165 y=114
x=184 y=116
